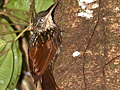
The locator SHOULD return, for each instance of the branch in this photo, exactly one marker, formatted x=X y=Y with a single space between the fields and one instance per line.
x=32 y=11
x=5 y=33
x=11 y=16
x=23 y=32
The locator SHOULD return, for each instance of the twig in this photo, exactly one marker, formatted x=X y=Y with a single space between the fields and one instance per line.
x=32 y=11
x=11 y=16
x=22 y=32
x=5 y=33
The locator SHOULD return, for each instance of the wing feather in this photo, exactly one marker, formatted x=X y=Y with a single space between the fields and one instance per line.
x=42 y=53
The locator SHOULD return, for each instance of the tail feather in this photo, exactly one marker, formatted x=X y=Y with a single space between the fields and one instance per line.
x=48 y=81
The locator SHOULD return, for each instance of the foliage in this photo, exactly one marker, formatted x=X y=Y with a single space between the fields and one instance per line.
x=16 y=11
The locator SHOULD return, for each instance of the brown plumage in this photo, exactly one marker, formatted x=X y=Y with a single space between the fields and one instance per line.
x=43 y=45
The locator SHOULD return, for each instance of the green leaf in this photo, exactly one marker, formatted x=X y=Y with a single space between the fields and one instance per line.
x=5 y=27
x=23 y=15
x=54 y=0
x=10 y=58
x=20 y=8
x=2 y=44
x=41 y=5
x=22 y=5
x=17 y=66
x=6 y=68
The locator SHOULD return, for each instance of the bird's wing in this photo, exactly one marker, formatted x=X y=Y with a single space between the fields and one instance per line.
x=42 y=53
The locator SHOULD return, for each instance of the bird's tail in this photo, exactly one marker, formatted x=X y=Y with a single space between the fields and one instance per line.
x=48 y=81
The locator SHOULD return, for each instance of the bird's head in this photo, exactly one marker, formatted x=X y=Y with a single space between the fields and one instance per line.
x=44 y=19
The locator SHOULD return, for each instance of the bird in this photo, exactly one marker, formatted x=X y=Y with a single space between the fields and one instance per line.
x=43 y=45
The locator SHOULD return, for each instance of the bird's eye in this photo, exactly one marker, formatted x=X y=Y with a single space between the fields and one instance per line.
x=41 y=19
